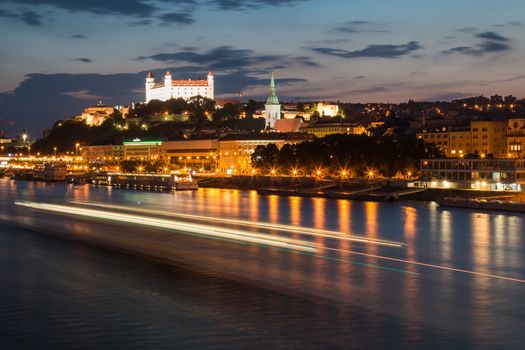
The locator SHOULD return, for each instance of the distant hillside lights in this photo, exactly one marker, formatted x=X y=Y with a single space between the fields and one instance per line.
x=185 y=89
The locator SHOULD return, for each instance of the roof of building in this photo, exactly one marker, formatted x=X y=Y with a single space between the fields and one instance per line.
x=288 y=125
x=255 y=136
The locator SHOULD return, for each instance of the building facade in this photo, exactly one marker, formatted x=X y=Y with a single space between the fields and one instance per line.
x=192 y=155
x=322 y=129
x=516 y=138
x=481 y=137
x=102 y=152
x=481 y=174
x=141 y=149
x=272 y=108
x=235 y=151
x=95 y=115
x=186 y=89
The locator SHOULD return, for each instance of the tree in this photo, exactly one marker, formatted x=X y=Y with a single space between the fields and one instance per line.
x=265 y=157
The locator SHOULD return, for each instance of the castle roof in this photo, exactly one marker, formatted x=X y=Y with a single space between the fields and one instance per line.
x=150 y=75
x=168 y=74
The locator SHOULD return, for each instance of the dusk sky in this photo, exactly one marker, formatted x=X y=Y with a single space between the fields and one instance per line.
x=59 y=56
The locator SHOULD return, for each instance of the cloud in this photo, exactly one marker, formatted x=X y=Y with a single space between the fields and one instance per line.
x=509 y=24
x=28 y=17
x=229 y=58
x=78 y=36
x=82 y=95
x=359 y=27
x=359 y=77
x=491 y=42
x=8 y=14
x=238 y=5
x=31 y=18
x=176 y=17
x=372 y=51
x=143 y=10
x=82 y=59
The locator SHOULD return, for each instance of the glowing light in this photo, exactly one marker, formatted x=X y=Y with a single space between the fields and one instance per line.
x=251 y=224
x=181 y=227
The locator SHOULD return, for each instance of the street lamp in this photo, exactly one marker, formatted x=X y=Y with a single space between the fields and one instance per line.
x=55 y=151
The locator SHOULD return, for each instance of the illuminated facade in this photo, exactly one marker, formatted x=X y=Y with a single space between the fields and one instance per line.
x=186 y=89
x=235 y=151
x=324 y=129
x=95 y=115
x=102 y=152
x=482 y=137
x=516 y=138
x=195 y=155
x=141 y=150
x=481 y=174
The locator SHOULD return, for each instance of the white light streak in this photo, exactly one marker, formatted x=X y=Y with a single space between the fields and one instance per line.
x=264 y=225
x=182 y=227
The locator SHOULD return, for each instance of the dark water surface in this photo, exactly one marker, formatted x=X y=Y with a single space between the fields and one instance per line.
x=60 y=293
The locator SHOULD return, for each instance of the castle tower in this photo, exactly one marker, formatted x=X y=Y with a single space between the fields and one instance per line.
x=150 y=83
x=167 y=86
x=211 y=92
x=272 y=107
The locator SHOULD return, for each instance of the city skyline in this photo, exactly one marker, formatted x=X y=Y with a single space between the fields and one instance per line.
x=357 y=52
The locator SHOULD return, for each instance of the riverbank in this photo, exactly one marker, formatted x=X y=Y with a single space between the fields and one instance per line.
x=355 y=189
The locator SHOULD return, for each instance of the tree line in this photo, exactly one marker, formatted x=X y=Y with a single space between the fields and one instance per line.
x=351 y=155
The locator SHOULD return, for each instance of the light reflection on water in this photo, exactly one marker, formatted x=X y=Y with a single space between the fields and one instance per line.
x=419 y=303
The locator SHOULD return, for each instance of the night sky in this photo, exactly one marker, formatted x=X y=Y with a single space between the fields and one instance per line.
x=59 y=56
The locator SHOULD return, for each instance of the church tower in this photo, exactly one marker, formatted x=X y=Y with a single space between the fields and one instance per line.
x=272 y=107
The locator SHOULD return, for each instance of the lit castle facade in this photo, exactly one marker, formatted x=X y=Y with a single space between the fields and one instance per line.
x=185 y=89
x=272 y=108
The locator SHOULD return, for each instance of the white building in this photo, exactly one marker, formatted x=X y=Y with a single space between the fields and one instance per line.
x=272 y=108
x=185 y=89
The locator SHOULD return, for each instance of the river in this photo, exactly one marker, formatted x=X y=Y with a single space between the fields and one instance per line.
x=452 y=278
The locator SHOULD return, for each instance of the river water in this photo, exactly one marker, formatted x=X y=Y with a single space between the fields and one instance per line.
x=456 y=282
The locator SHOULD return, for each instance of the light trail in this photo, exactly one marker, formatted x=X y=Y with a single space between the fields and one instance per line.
x=429 y=265
x=183 y=227
x=278 y=227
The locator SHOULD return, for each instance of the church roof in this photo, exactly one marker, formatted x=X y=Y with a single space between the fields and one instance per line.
x=272 y=98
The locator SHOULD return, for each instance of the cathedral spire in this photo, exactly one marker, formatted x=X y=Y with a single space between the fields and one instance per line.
x=272 y=98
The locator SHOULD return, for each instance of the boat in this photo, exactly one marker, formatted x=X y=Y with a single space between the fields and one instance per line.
x=482 y=204
x=159 y=182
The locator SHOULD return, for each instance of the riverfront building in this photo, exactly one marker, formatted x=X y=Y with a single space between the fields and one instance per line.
x=482 y=137
x=199 y=155
x=480 y=174
x=235 y=151
x=102 y=152
x=186 y=89
x=516 y=138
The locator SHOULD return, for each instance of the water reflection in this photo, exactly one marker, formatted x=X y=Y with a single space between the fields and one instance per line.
x=419 y=299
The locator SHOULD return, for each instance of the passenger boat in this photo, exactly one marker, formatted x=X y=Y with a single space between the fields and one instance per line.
x=159 y=182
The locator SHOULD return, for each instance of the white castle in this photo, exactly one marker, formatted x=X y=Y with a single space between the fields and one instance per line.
x=185 y=89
